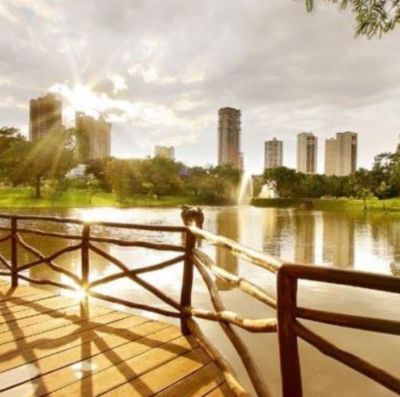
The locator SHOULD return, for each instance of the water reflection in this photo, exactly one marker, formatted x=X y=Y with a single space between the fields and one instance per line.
x=227 y=224
x=369 y=242
x=338 y=240
x=304 y=231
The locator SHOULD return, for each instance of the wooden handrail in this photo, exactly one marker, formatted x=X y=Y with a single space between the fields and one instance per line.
x=289 y=328
x=289 y=314
x=265 y=261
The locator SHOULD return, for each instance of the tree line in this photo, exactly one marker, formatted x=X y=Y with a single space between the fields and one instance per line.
x=382 y=181
x=48 y=161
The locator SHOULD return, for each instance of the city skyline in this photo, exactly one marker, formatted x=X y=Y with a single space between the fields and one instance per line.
x=288 y=71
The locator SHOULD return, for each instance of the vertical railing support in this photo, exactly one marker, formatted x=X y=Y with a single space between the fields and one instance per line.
x=187 y=280
x=85 y=268
x=289 y=353
x=14 y=253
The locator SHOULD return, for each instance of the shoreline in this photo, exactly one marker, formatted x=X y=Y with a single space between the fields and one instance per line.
x=21 y=198
x=342 y=204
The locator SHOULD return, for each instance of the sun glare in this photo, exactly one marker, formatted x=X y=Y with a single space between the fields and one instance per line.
x=80 y=98
x=83 y=99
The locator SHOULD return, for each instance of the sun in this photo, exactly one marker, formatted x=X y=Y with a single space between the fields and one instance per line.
x=80 y=98
x=83 y=99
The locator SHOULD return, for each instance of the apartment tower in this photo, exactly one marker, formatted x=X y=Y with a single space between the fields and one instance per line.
x=273 y=155
x=45 y=116
x=93 y=137
x=229 y=128
x=307 y=149
x=341 y=154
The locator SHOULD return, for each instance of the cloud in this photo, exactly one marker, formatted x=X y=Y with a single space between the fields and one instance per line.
x=160 y=71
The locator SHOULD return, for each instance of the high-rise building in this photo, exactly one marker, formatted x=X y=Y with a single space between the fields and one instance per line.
x=341 y=154
x=45 y=116
x=307 y=149
x=330 y=156
x=273 y=154
x=229 y=137
x=164 y=151
x=93 y=137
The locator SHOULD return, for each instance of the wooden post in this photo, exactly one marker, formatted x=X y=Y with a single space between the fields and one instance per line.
x=187 y=280
x=85 y=269
x=14 y=253
x=289 y=354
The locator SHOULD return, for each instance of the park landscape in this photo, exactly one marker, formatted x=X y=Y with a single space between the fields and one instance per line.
x=264 y=296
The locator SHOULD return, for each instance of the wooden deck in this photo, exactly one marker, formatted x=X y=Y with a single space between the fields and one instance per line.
x=47 y=347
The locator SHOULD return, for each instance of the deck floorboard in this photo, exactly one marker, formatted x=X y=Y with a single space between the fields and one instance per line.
x=51 y=346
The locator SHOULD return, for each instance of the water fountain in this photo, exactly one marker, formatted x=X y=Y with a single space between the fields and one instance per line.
x=245 y=194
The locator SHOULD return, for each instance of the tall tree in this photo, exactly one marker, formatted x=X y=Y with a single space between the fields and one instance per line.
x=32 y=162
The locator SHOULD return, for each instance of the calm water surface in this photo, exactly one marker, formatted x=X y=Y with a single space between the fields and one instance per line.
x=369 y=242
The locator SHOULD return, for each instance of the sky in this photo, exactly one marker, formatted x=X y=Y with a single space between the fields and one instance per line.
x=159 y=70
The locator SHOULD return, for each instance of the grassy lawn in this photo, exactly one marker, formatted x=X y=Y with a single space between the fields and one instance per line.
x=74 y=198
x=391 y=205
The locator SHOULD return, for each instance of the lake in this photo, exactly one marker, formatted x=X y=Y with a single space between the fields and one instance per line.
x=360 y=241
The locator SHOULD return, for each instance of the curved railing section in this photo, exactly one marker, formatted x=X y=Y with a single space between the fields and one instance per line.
x=85 y=238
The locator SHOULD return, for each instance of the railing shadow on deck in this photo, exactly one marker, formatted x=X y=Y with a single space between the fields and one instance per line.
x=286 y=323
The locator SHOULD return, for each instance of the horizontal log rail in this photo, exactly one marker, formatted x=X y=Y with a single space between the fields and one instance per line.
x=88 y=238
x=244 y=285
x=290 y=328
x=265 y=261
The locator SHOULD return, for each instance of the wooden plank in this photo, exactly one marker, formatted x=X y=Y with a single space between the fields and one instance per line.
x=8 y=293
x=36 y=313
x=162 y=377
x=77 y=354
x=221 y=391
x=68 y=331
x=42 y=302
x=105 y=370
x=48 y=348
x=197 y=384
x=116 y=323
x=25 y=324
x=71 y=315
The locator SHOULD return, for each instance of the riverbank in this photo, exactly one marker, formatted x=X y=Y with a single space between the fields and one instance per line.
x=77 y=198
x=391 y=205
x=22 y=197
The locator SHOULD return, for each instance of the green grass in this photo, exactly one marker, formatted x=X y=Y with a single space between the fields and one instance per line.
x=391 y=205
x=76 y=198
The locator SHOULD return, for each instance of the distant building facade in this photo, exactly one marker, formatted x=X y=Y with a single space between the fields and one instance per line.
x=330 y=156
x=273 y=155
x=45 y=116
x=93 y=137
x=164 y=151
x=229 y=130
x=341 y=154
x=307 y=150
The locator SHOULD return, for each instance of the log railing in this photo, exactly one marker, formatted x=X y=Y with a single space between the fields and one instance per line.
x=290 y=328
x=85 y=239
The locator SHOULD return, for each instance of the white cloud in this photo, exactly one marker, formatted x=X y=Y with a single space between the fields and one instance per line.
x=160 y=70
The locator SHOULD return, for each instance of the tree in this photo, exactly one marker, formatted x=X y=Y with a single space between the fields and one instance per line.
x=122 y=177
x=163 y=174
x=31 y=162
x=373 y=17
x=285 y=181
x=96 y=168
x=8 y=137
